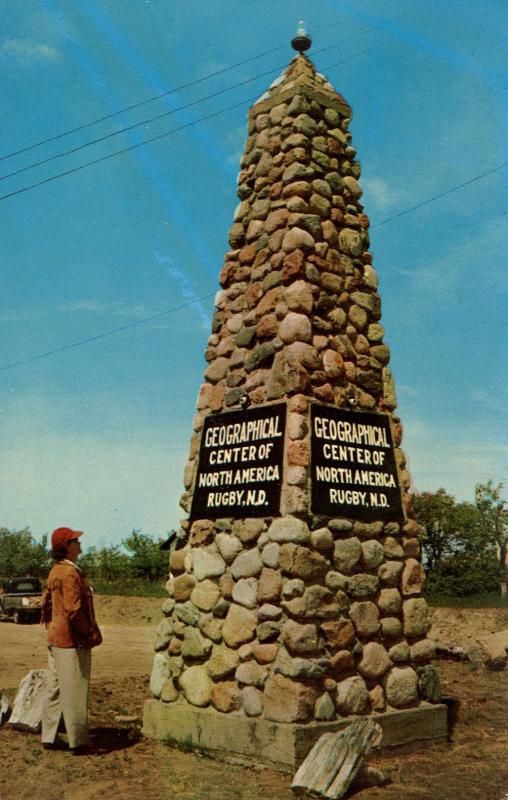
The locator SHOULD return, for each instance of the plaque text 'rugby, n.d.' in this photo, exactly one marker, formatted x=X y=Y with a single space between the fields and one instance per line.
x=354 y=473
x=240 y=464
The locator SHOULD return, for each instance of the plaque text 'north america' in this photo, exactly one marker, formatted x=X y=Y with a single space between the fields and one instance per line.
x=240 y=464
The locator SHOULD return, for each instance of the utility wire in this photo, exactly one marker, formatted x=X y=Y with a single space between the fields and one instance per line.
x=160 y=135
x=210 y=294
x=171 y=91
x=166 y=114
x=106 y=333
x=161 y=116
x=442 y=194
x=124 y=150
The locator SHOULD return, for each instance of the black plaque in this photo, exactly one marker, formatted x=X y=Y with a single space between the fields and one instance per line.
x=240 y=464
x=354 y=473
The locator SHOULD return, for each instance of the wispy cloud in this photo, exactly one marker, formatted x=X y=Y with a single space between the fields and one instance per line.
x=186 y=288
x=381 y=195
x=29 y=51
x=115 y=309
x=235 y=143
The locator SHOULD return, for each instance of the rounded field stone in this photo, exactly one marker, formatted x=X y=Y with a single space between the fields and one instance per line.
x=239 y=626
x=401 y=687
x=374 y=662
x=352 y=696
x=196 y=686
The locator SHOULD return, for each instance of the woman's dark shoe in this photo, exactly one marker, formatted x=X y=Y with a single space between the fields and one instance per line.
x=85 y=750
x=58 y=744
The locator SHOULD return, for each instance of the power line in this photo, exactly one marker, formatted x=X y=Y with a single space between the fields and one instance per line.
x=123 y=150
x=159 y=136
x=161 y=116
x=170 y=91
x=442 y=194
x=210 y=294
x=105 y=333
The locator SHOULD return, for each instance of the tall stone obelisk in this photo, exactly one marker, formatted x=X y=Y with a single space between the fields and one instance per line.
x=295 y=596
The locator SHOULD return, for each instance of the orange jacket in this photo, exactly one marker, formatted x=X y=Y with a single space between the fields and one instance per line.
x=67 y=608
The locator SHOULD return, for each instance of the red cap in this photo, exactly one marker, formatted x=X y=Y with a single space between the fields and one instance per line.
x=61 y=536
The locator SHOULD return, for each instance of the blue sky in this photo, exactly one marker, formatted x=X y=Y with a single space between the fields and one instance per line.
x=96 y=436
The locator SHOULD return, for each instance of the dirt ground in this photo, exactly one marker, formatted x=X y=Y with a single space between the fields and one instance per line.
x=473 y=764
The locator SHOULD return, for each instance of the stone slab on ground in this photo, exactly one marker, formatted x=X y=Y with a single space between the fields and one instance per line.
x=495 y=648
x=282 y=746
x=336 y=759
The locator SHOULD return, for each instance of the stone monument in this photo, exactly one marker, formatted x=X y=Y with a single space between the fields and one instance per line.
x=294 y=601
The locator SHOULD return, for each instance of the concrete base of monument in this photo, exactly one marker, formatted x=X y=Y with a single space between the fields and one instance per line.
x=280 y=745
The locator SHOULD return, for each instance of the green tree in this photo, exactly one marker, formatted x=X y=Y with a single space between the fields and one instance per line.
x=494 y=511
x=458 y=551
x=147 y=560
x=21 y=554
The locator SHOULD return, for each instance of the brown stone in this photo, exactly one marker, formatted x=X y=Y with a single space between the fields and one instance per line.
x=365 y=617
x=413 y=577
x=339 y=633
x=324 y=393
x=239 y=626
x=267 y=326
x=265 y=653
x=300 y=562
x=286 y=700
x=374 y=662
x=202 y=532
x=286 y=376
x=226 y=697
x=276 y=219
x=176 y=561
x=226 y=584
x=377 y=698
x=298 y=453
x=247 y=254
x=270 y=585
x=269 y=300
x=184 y=584
x=300 y=639
x=341 y=662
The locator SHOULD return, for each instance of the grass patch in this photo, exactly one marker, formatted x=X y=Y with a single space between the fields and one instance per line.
x=488 y=600
x=130 y=587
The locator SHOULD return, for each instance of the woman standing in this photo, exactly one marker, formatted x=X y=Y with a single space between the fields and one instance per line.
x=68 y=613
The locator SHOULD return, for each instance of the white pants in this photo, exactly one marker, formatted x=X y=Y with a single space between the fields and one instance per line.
x=67 y=694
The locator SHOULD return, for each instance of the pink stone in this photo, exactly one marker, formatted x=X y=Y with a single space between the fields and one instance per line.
x=295 y=327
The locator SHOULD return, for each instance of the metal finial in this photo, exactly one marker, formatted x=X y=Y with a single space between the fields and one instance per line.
x=302 y=40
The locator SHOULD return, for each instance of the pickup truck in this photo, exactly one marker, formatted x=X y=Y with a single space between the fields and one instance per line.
x=20 y=599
